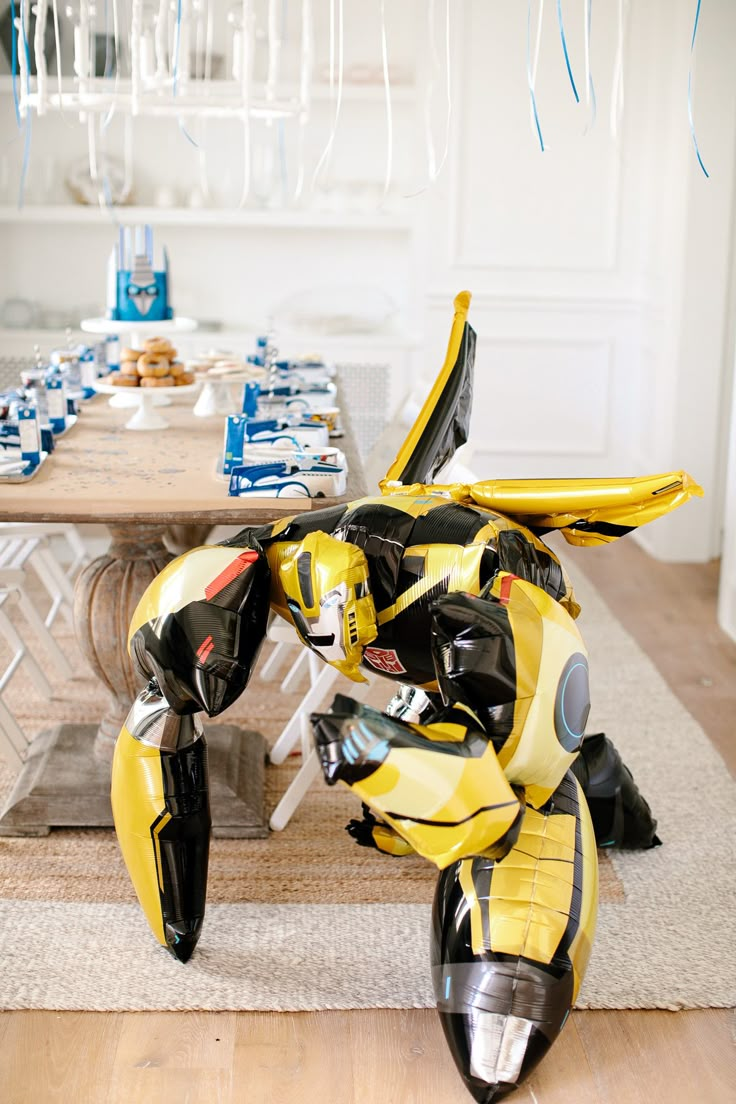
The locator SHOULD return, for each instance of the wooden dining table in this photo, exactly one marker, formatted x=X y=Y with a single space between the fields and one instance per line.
x=159 y=493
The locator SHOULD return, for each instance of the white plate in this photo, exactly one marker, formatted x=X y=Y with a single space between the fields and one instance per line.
x=165 y=327
x=112 y=389
x=71 y=421
x=21 y=476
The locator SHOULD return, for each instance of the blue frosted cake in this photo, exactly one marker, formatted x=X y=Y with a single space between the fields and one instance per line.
x=137 y=289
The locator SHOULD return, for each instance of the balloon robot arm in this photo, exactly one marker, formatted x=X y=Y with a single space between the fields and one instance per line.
x=512 y=671
x=195 y=636
x=438 y=786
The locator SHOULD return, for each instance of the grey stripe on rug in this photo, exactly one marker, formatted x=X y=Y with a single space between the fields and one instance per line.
x=304 y=957
x=666 y=944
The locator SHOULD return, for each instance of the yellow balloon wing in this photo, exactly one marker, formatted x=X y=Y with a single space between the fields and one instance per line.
x=586 y=511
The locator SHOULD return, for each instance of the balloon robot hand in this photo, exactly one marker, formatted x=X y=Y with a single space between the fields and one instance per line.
x=200 y=625
x=438 y=786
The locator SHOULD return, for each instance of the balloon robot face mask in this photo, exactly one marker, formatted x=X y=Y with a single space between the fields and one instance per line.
x=326 y=583
x=479 y=763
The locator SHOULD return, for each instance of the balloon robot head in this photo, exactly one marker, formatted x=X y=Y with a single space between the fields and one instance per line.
x=199 y=626
x=328 y=596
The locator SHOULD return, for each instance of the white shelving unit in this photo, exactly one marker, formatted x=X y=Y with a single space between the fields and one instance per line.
x=354 y=92
x=270 y=251
x=255 y=218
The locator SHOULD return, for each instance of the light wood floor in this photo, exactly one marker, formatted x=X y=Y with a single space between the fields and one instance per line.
x=390 y=1057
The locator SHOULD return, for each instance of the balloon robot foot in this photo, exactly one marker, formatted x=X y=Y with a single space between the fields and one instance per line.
x=486 y=1094
x=494 y=1053
x=182 y=938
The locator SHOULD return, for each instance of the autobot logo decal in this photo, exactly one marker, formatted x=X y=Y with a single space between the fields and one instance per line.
x=384 y=659
x=205 y=648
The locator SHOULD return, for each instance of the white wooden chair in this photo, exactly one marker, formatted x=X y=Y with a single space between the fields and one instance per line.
x=77 y=557
x=297 y=730
x=288 y=645
x=19 y=554
x=13 y=740
x=377 y=443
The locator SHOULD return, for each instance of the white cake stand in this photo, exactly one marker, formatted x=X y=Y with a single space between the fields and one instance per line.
x=136 y=332
x=144 y=399
x=218 y=395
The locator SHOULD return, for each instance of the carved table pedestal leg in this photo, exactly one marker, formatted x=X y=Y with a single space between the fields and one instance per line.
x=66 y=779
x=105 y=597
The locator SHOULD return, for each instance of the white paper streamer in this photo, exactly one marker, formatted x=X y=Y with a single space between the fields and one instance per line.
x=39 y=40
x=532 y=66
x=389 y=113
x=617 y=84
x=324 y=160
x=245 y=92
x=433 y=169
x=161 y=40
x=305 y=84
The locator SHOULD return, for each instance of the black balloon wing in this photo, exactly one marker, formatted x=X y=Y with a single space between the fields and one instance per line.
x=443 y=423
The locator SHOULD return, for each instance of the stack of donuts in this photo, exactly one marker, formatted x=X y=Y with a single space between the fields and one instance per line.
x=155 y=365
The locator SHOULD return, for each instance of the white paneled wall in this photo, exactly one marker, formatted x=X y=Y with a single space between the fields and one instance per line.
x=549 y=244
x=552 y=385
x=600 y=267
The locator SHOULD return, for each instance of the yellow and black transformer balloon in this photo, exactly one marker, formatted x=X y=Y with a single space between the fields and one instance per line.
x=480 y=763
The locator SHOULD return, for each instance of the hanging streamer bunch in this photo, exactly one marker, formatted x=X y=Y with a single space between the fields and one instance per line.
x=159 y=63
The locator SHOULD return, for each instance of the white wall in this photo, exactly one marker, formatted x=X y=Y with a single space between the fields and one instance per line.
x=727 y=592
x=688 y=339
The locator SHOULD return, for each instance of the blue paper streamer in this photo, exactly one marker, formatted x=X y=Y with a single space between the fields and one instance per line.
x=282 y=158
x=175 y=74
x=14 y=63
x=529 y=75
x=108 y=51
x=591 y=86
x=27 y=136
x=177 y=36
x=106 y=190
x=564 y=50
x=690 y=93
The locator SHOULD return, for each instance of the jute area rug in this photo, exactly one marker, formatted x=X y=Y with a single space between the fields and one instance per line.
x=308 y=920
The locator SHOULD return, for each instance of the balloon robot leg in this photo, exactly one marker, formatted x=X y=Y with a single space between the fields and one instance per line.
x=510 y=944
x=161 y=810
x=621 y=815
